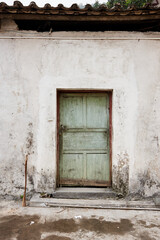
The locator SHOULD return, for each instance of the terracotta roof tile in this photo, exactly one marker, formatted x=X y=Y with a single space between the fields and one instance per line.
x=32 y=8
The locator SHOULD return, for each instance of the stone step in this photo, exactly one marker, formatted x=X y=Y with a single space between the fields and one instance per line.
x=122 y=204
x=84 y=193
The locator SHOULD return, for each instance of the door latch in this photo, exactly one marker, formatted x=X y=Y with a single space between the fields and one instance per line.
x=62 y=129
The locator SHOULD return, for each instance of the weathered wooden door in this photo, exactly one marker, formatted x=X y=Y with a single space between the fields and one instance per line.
x=84 y=139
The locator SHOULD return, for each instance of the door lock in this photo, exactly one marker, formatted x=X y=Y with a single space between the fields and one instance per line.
x=62 y=129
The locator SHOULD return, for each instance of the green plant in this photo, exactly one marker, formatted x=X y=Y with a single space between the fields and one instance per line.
x=128 y=3
x=124 y=3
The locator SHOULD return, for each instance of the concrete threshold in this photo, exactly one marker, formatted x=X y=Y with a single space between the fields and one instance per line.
x=84 y=193
x=37 y=201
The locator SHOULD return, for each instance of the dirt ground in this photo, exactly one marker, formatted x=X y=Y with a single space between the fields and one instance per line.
x=17 y=223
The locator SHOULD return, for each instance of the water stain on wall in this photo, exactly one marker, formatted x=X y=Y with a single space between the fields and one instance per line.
x=121 y=174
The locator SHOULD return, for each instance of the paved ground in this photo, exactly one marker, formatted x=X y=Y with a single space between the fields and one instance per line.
x=76 y=223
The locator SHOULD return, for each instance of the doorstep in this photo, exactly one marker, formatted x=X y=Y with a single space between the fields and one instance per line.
x=83 y=193
x=97 y=203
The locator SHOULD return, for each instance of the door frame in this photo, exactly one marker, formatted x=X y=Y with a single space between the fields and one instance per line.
x=61 y=91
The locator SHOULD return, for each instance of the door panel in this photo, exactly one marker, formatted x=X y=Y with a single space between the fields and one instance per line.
x=96 y=112
x=84 y=139
x=100 y=167
x=72 y=111
x=69 y=169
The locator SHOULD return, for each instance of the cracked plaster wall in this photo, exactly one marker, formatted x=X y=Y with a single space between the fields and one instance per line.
x=31 y=70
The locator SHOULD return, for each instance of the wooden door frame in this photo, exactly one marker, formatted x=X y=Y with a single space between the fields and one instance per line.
x=61 y=91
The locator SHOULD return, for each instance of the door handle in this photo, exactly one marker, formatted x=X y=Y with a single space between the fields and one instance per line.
x=62 y=129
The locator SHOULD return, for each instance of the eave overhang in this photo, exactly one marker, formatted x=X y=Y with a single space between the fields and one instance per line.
x=117 y=15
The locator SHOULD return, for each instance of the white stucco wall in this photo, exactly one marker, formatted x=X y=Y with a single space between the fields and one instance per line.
x=34 y=65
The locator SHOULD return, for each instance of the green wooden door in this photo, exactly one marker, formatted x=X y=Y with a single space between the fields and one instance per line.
x=84 y=139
